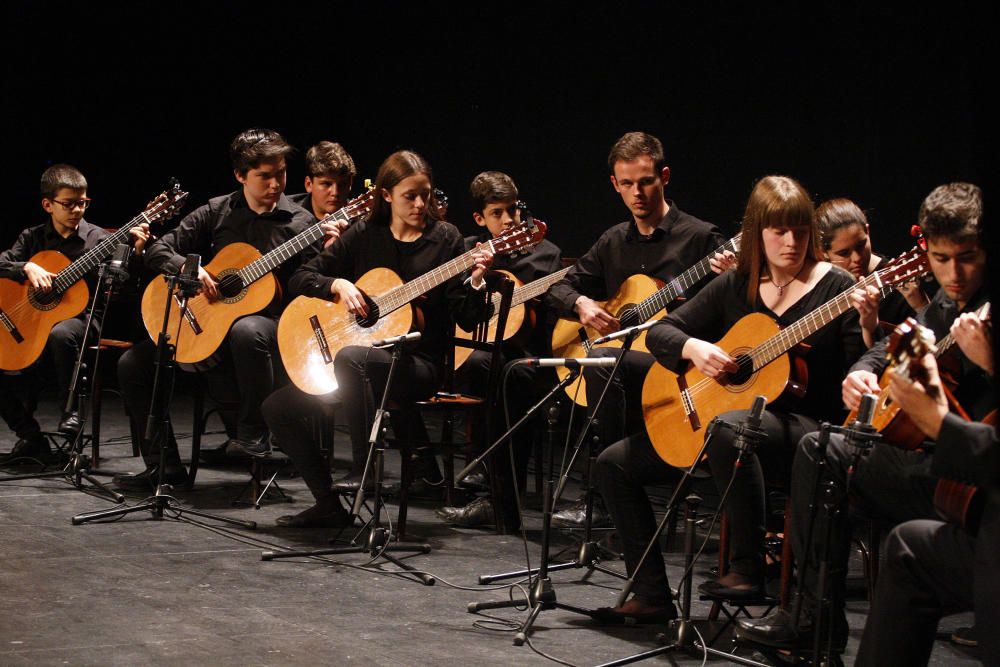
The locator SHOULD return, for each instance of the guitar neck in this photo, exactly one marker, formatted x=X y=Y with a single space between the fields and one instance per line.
x=274 y=258
x=943 y=345
x=93 y=257
x=677 y=287
x=532 y=289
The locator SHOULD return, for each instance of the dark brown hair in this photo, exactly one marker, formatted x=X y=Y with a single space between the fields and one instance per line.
x=61 y=176
x=952 y=211
x=835 y=214
x=776 y=201
x=634 y=145
x=328 y=158
x=489 y=187
x=251 y=147
x=396 y=167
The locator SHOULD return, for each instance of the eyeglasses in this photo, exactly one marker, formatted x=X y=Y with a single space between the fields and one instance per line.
x=70 y=205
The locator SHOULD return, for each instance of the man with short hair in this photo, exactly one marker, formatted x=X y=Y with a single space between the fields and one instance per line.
x=330 y=173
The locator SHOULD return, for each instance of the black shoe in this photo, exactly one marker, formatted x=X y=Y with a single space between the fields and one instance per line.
x=476 y=481
x=351 y=482
x=777 y=630
x=575 y=516
x=34 y=447
x=148 y=478
x=714 y=589
x=215 y=456
x=315 y=517
x=966 y=637
x=635 y=612
x=477 y=513
x=70 y=423
x=242 y=448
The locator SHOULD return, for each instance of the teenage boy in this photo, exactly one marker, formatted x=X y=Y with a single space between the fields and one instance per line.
x=64 y=199
x=330 y=173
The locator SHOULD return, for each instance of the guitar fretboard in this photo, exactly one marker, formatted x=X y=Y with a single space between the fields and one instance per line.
x=100 y=252
x=945 y=343
x=531 y=290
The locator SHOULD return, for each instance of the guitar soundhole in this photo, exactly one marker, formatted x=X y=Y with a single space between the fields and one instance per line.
x=231 y=287
x=43 y=300
x=629 y=317
x=372 y=317
x=746 y=370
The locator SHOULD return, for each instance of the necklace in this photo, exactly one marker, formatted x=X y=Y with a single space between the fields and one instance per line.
x=781 y=288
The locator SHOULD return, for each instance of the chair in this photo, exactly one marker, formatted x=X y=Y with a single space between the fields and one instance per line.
x=499 y=292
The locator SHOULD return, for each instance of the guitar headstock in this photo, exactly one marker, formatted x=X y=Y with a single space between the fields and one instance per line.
x=359 y=206
x=911 y=265
x=166 y=204
x=908 y=344
x=522 y=235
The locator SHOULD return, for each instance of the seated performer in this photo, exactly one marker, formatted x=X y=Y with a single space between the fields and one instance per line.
x=780 y=274
x=243 y=371
x=935 y=568
x=64 y=199
x=888 y=483
x=494 y=198
x=659 y=240
x=846 y=241
x=330 y=173
x=398 y=235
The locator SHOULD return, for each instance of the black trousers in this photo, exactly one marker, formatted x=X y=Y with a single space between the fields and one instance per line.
x=929 y=573
x=246 y=370
x=621 y=412
x=746 y=504
x=623 y=469
x=361 y=376
x=19 y=393
x=886 y=486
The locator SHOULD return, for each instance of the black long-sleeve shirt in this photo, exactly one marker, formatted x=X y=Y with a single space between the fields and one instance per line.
x=41 y=237
x=679 y=241
x=974 y=391
x=365 y=246
x=722 y=302
x=229 y=219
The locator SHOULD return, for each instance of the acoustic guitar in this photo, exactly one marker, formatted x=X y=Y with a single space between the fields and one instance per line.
x=677 y=408
x=516 y=314
x=638 y=300
x=312 y=331
x=246 y=286
x=28 y=315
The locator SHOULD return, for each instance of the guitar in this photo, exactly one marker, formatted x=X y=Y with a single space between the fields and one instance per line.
x=246 y=286
x=27 y=315
x=678 y=407
x=638 y=299
x=311 y=331
x=516 y=314
x=908 y=341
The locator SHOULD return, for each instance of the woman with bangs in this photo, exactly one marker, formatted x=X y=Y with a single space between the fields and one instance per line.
x=780 y=273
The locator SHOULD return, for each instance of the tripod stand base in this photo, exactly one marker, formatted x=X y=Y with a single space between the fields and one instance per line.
x=74 y=473
x=156 y=505
x=587 y=557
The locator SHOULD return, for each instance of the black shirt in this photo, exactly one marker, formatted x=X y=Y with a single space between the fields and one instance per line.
x=365 y=246
x=41 y=237
x=974 y=392
x=722 y=302
x=678 y=242
x=303 y=199
x=229 y=219
x=528 y=266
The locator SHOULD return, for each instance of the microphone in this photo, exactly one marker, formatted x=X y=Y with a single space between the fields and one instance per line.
x=116 y=267
x=860 y=434
x=597 y=362
x=748 y=432
x=395 y=340
x=187 y=278
x=639 y=328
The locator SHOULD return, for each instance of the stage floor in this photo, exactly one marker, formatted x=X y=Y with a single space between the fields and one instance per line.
x=138 y=591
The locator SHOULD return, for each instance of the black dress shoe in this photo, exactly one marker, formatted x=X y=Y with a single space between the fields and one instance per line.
x=316 y=517
x=476 y=481
x=477 y=513
x=33 y=447
x=243 y=448
x=148 y=478
x=575 y=516
x=714 y=589
x=633 y=613
x=350 y=484
x=70 y=423
x=777 y=630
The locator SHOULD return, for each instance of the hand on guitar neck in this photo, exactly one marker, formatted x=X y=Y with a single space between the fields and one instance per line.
x=920 y=396
x=972 y=335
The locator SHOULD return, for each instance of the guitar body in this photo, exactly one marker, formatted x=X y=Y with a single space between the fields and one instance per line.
x=26 y=318
x=896 y=428
x=572 y=339
x=201 y=334
x=311 y=331
x=515 y=320
x=677 y=434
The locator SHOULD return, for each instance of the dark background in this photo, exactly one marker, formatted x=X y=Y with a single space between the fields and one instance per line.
x=876 y=104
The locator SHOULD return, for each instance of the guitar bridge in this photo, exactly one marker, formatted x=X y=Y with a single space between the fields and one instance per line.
x=324 y=346
x=10 y=327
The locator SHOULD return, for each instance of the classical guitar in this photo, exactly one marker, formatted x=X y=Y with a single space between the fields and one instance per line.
x=311 y=331
x=908 y=341
x=246 y=286
x=677 y=408
x=517 y=313
x=639 y=299
x=27 y=315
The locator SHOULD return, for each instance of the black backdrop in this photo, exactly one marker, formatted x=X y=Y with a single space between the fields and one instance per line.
x=876 y=104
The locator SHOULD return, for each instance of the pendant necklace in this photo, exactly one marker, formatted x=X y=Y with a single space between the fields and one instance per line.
x=781 y=288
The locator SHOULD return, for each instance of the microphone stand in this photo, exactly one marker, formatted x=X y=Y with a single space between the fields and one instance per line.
x=77 y=468
x=379 y=542
x=181 y=287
